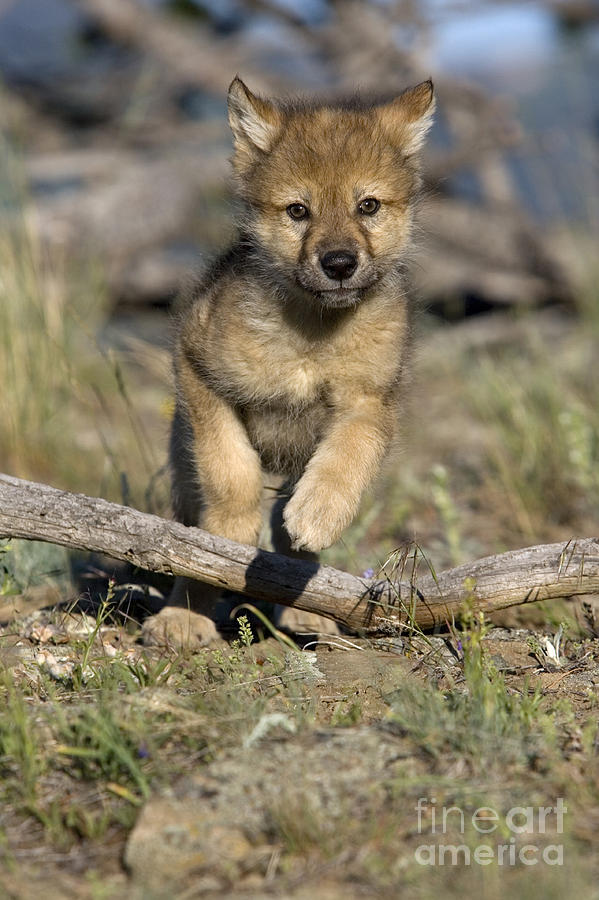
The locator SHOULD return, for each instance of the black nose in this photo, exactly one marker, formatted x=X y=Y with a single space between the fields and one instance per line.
x=339 y=264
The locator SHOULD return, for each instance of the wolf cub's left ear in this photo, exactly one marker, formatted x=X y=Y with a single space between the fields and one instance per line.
x=254 y=122
x=410 y=116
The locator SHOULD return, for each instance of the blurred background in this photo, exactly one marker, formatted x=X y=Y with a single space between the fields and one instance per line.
x=114 y=153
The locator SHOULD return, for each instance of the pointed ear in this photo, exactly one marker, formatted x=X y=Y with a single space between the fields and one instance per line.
x=410 y=116
x=254 y=122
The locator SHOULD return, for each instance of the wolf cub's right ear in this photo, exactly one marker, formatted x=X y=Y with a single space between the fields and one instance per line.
x=254 y=122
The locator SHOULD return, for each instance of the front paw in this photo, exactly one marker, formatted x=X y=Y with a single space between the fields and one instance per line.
x=316 y=516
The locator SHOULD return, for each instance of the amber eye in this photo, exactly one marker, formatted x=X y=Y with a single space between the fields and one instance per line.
x=297 y=211
x=369 y=206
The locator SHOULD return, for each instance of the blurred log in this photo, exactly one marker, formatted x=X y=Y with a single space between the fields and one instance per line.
x=491 y=254
x=38 y=512
x=574 y=14
x=131 y=202
x=191 y=55
x=116 y=201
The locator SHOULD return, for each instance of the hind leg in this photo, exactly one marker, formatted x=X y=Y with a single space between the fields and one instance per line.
x=187 y=619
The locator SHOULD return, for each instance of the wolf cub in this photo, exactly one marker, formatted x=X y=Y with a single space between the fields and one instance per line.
x=290 y=352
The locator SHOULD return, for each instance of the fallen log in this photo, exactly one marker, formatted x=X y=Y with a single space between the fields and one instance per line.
x=403 y=598
x=190 y=55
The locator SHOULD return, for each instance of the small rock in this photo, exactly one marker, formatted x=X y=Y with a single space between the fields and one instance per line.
x=43 y=633
x=59 y=669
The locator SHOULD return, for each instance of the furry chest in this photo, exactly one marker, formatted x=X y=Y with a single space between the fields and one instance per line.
x=285 y=436
x=269 y=377
x=300 y=381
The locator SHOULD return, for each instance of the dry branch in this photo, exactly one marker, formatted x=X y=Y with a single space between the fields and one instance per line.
x=191 y=55
x=39 y=512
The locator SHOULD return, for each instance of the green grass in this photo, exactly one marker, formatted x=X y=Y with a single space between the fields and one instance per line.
x=478 y=719
x=540 y=413
x=121 y=725
x=65 y=405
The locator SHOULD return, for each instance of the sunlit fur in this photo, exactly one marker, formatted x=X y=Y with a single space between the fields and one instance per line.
x=279 y=367
x=329 y=159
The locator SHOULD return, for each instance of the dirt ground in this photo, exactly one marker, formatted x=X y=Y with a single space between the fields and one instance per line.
x=262 y=770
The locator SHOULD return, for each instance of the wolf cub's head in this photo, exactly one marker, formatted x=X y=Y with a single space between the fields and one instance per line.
x=329 y=188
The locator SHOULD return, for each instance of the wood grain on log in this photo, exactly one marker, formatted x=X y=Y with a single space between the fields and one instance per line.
x=39 y=512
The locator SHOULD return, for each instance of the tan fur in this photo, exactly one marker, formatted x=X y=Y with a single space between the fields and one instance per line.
x=280 y=367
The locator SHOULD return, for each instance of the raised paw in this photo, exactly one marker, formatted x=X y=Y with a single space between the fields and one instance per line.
x=179 y=628
x=315 y=518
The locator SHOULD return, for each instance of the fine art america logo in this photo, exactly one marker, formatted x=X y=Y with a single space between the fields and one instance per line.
x=517 y=830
